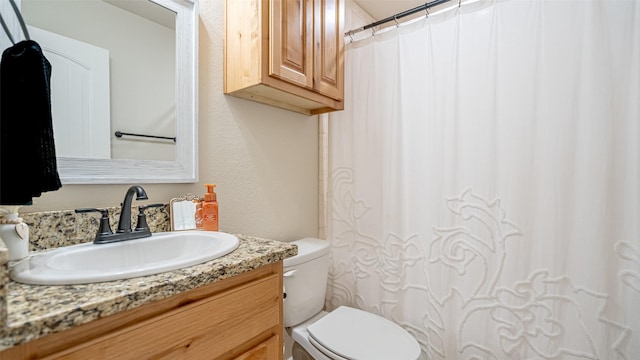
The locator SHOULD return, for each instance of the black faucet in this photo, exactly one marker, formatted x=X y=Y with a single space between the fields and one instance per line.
x=124 y=224
x=124 y=232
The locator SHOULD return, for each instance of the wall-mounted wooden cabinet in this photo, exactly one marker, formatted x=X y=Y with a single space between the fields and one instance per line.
x=286 y=53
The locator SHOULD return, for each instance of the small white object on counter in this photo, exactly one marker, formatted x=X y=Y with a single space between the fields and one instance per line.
x=15 y=234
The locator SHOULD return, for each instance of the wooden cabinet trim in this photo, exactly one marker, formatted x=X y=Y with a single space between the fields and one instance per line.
x=268 y=349
x=58 y=342
x=205 y=329
x=243 y=34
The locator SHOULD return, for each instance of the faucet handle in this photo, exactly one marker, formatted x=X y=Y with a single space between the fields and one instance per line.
x=142 y=217
x=105 y=227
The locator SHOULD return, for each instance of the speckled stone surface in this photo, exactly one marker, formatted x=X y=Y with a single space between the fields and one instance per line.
x=51 y=229
x=4 y=279
x=4 y=253
x=35 y=311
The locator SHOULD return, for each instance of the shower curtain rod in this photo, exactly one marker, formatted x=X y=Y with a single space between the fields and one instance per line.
x=397 y=16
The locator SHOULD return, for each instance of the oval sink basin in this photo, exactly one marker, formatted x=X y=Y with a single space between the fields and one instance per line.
x=90 y=263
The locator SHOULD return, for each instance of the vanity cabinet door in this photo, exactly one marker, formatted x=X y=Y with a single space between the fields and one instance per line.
x=212 y=328
x=267 y=350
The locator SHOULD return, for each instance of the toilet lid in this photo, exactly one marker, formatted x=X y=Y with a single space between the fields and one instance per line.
x=359 y=335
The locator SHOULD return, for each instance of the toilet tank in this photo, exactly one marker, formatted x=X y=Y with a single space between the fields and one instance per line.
x=305 y=280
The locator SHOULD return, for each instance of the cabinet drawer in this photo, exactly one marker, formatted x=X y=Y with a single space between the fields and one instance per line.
x=206 y=329
x=267 y=350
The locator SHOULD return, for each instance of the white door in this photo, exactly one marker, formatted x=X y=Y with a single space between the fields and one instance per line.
x=79 y=95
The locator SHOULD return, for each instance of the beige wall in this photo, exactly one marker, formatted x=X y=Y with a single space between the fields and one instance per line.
x=264 y=160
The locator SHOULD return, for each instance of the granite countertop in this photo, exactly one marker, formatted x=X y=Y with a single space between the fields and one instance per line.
x=34 y=311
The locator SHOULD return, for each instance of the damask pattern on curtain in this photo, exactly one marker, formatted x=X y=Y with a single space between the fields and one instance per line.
x=485 y=180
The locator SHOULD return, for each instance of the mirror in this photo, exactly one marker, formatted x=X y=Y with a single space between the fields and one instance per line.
x=182 y=212
x=167 y=96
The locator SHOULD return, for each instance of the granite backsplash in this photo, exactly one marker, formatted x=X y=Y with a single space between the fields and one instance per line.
x=53 y=229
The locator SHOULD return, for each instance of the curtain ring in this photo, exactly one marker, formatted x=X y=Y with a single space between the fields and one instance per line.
x=396 y=20
x=373 y=31
x=426 y=9
x=351 y=37
x=459 y=3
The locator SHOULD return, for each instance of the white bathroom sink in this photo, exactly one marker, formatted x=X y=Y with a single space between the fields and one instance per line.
x=90 y=263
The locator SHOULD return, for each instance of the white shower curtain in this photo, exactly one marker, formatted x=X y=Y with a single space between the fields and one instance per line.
x=484 y=180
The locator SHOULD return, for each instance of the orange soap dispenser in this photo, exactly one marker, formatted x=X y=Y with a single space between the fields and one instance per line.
x=209 y=211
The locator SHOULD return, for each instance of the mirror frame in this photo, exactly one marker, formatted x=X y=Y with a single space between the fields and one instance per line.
x=185 y=168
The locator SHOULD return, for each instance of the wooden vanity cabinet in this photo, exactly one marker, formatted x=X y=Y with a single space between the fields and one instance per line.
x=236 y=318
x=286 y=53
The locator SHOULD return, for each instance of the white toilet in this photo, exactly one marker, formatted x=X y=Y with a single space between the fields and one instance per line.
x=345 y=333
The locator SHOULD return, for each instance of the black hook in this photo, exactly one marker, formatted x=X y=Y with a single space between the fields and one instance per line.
x=20 y=20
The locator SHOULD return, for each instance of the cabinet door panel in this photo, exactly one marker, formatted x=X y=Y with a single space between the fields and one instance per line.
x=291 y=45
x=206 y=329
x=267 y=350
x=329 y=48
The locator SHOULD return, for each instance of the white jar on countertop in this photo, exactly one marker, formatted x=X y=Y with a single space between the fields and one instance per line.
x=15 y=234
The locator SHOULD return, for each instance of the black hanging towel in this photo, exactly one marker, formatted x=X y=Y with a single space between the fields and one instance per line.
x=27 y=151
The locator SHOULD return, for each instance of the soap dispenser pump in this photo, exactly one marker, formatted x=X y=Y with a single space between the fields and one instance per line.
x=209 y=211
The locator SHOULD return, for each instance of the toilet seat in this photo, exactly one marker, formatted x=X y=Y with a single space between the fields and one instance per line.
x=348 y=333
x=325 y=351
